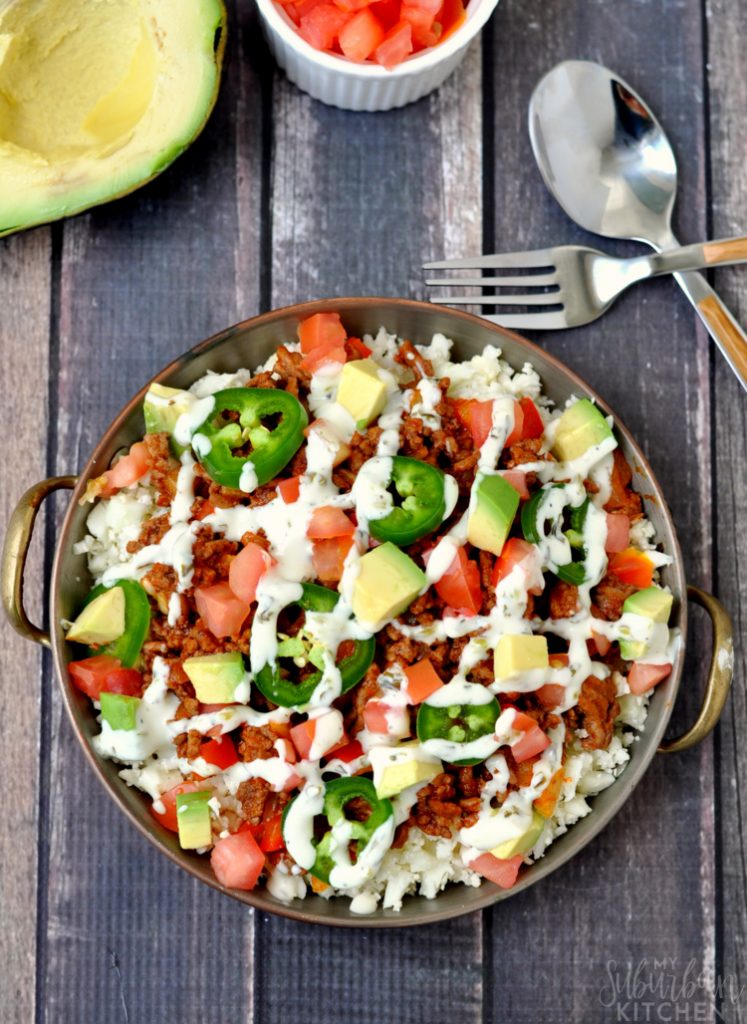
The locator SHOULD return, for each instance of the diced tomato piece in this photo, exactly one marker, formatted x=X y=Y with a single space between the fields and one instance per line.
x=237 y=861
x=167 y=817
x=515 y=552
x=643 y=678
x=421 y=18
x=326 y=732
x=518 y=480
x=351 y=6
x=601 y=643
x=328 y=522
x=550 y=695
x=320 y=357
x=128 y=470
x=388 y=12
x=532 y=740
x=361 y=35
x=558 y=660
x=396 y=45
x=329 y=557
x=532 y=425
x=290 y=490
x=633 y=567
x=460 y=585
x=422 y=681
x=356 y=349
x=323 y=330
x=292 y=782
x=386 y=720
x=503 y=872
x=321 y=28
x=350 y=752
x=272 y=836
x=618 y=532
x=219 y=752
x=220 y=609
x=451 y=16
x=477 y=418
x=102 y=672
x=207 y=709
x=247 y=569
x=517 y=431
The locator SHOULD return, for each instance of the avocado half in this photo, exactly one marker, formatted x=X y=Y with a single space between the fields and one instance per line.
x=99 y=96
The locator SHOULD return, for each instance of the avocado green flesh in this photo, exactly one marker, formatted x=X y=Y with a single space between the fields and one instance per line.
x=96 y=99
x=582 y=426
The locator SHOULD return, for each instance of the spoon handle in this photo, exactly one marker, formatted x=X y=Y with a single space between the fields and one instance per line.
x=701 y=256
x=719 y=322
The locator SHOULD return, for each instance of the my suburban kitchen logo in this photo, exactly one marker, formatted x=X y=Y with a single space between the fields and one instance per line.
x=668 y=991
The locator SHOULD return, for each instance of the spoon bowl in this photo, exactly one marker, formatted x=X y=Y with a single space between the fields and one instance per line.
x=611 y=167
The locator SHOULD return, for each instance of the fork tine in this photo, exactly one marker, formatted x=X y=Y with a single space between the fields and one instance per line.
x=520 y=281
x=532 y=258
x=545 y=299
x=531 y=321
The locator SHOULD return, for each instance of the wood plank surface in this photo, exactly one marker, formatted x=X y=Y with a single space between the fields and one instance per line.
x=141 y=281
x=650 y=362
x=25 y=272
x=283 y=199
x=728 y=181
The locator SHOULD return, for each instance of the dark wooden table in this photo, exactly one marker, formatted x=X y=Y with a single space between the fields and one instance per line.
x=283 y=199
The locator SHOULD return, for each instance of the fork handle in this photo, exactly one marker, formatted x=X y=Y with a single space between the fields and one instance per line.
x=701 y=256
x=719 y=322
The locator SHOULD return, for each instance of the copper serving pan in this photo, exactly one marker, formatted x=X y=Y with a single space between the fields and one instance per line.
x=248 y=344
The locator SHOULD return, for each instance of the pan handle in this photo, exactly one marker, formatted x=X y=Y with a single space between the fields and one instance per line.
x=15 y=552
x=719 y=675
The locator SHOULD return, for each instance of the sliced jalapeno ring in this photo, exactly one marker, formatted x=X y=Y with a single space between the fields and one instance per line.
x=458 y=723
x=537 y=525
x=272 y=447
x=337 y=794
x=137 y=622
x=422 y=488
x=289 y=692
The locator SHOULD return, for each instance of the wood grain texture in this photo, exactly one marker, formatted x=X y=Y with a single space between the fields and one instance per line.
x=650 y=361
x=25 y=270
x=728 y=96
x=141 y=281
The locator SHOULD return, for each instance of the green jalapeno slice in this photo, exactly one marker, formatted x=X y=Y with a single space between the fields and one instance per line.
x=137 y=622
x=271 y=444
x=280 y=683
x=458 y=723
x=422 y=490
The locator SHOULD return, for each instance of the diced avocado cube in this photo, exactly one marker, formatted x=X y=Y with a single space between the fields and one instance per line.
x=653 y=602
x=522 y=843
x=398 y=768
x=215 y=676
x=102 y=621
x=361 y=391
x=193 y=820
x=291 y=647
x=631 y=650
x=388 y=582
x=118 y=710
x=582 y=426
x=162 y=407
x=492 y=513
x=522 y=652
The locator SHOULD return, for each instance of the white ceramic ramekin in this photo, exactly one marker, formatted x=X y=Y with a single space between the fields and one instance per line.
x=342 y=83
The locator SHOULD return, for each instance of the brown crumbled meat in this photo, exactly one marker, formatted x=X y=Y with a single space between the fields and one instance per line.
x=523 y=452
x=519 y=775
x=293 y=375
x=407 y=355
x=362 y=448
x=595 y=712
x=563 y=600
x=401 y=834
x=217 y=496
x=358 y=698
x=608 y=597
x=212 y=558
x=257 y=743
x=358 y=809
x=152 y=531
x=252 y=796
x=622 y=497
x=448 y=802
x=188 y=744
x=189 y=706
x=486 y=562
x=164 y=468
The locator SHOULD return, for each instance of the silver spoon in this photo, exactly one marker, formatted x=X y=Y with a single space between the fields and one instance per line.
x=607 y=161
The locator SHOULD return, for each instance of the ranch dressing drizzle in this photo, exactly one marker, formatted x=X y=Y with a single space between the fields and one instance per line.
x=192 y=418
x=460 y=692
x=181 y=506
x=389 y=422
x=298 y=828
x=174 y=549
x=273 y=594
x=345 y=874
x=150 y=735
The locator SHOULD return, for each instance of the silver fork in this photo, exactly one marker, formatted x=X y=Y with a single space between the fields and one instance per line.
x=582 y=282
